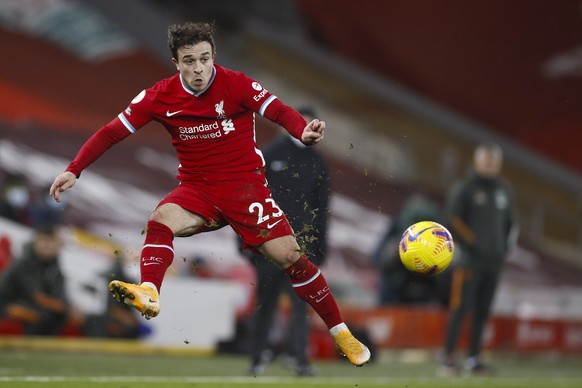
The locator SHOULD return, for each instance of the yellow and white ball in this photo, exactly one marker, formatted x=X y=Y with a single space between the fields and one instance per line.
x=426 y=248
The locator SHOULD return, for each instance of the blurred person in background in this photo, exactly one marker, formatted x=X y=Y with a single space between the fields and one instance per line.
x=118 y=320
x=200 y=268
x=45 y=211
x=209 y=111
x=299 y=180
x=15 y=198
x=397 y=284
x=482 y=216
x=32 y=289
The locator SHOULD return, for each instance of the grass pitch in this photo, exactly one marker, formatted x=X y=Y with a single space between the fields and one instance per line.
x=28 y=368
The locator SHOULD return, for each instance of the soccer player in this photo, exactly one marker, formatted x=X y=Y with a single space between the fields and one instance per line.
x=209 y=112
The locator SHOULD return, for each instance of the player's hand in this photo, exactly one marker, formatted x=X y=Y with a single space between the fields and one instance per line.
x=62 y=182
x=313 y=132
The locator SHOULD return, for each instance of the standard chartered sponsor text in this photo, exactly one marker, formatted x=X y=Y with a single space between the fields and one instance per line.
x=202 y=131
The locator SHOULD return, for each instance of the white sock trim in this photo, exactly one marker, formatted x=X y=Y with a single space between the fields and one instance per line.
x=308 y=280
x=158 y=246
x=150 y=285
x=337 y=328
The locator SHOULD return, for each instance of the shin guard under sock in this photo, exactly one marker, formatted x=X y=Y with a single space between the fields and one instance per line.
x=310 y=285
x=157 y=253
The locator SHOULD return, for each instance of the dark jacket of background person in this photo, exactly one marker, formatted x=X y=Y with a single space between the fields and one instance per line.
x=32 y=289
x=491 y=220
x=299 y=180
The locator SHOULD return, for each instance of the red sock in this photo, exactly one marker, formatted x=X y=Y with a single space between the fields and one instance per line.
x=310 y=285
x=157 y=253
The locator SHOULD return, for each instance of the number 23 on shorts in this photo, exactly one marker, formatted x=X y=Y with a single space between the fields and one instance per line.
x=266 y=213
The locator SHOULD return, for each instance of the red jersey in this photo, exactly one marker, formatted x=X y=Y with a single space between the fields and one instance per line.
x=213 y=131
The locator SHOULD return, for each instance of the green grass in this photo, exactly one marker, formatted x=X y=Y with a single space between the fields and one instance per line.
x=76 y=369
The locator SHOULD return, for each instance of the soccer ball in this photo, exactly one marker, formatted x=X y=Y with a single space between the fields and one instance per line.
x=426 y=248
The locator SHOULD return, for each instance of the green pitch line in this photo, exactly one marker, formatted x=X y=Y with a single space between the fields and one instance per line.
x=88 y=368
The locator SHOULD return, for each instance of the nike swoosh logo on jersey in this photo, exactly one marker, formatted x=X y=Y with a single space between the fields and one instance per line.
x=322 y=298
x=152 y=263
x=269 y=226
x=413 y=237
x=170 y=114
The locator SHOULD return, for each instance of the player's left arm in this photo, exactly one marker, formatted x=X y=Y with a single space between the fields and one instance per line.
x=285 y=116
x=273 y=109
x=309 y=133
x=313 y=132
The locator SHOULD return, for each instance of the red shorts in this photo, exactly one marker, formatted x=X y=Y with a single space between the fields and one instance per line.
x=244 y=204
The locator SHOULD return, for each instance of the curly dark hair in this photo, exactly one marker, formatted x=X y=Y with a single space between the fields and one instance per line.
x=188 y=34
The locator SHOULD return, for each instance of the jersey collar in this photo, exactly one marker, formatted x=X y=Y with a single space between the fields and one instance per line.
x=193 y=92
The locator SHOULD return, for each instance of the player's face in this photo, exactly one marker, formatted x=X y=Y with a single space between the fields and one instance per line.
x=195 y=64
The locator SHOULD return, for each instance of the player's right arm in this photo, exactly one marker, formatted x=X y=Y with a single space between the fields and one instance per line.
x=93 y=148
x=127 y=122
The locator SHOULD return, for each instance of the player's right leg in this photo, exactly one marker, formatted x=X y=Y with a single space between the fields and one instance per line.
x=143 y=297
x=157 y=255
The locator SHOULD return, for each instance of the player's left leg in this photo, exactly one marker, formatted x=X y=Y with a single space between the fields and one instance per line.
x=310 y=285
x=261 y=223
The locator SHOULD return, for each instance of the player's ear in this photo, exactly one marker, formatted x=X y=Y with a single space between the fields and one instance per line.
x=175 y=62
